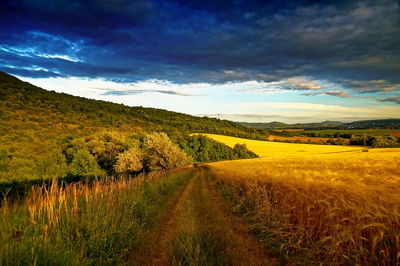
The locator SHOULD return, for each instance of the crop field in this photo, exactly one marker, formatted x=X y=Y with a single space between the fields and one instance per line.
x=288 y=130
x=325 y=204
x=272 y=149
x=368 y=132
x=301 y=138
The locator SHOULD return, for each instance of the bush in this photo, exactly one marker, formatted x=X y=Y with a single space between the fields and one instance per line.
x=241 y=152
x=161 y=153
x=83 y=164
x=105 y=147
x=339 y=141
x=384 y=142
x=376 y=141
x=204 y=149
x=130 y=161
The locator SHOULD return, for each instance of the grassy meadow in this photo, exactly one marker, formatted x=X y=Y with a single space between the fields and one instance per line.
x=317 y=203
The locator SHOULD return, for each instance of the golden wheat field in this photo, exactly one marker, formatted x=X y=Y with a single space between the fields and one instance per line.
x=274 y=149
x=317 y=202
x=301 y=138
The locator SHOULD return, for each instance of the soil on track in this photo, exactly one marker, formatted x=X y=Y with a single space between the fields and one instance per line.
x=199 y=229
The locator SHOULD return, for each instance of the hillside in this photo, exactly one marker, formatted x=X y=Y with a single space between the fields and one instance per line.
x=280 y=125
x=383 y=123
x=364 y=124
x=35 y=123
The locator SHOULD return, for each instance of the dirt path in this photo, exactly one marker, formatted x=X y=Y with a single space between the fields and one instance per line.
x=154 y=250
x=200 y=230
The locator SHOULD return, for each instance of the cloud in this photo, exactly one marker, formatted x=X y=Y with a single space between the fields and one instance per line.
x=211 y=41
x=372 y=86
x=308 y=112
x=133 y=92
x=303 y=106
x=391 y=99
x=341 y=94
x=300 y=83
x=297 y=83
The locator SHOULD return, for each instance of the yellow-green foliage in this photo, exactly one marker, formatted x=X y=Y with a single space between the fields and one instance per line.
x=130 y=161
x=161 y=153
x=334 y=208
x=102 y=148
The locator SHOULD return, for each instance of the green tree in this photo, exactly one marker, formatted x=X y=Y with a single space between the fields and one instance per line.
x=130 y=161
x=161 y=153
x=241 y=152
x=384 y=142
x=84 y=164
x=105 y=147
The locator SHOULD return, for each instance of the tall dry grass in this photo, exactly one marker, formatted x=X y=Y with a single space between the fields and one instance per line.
x=332 y=209
x=82 y=224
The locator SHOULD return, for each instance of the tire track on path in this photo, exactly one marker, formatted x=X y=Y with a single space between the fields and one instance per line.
x=154 y=250
x=200 y=229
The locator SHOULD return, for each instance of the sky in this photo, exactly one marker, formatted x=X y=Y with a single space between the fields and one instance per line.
x=254 y=61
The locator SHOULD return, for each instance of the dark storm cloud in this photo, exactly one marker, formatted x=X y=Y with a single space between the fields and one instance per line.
x=204 y=41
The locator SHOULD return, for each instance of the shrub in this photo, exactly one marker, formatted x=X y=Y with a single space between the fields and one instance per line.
x=205 y=149
x=130 y=161
x=83 y=164
x=105 y=147
x=384 y=142
x=161 y=153
x=241 y=152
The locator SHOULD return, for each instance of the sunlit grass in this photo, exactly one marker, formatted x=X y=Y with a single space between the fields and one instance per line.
x=82 y=224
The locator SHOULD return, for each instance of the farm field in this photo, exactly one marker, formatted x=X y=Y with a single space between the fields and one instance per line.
x=288 y=130
x=301 y=138
x=330 y=205
x=273 y=149
x=368 y=132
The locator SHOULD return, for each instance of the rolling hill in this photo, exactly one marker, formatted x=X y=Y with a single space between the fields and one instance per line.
x=35 y=123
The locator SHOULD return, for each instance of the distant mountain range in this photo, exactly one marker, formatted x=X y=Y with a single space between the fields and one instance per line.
x=363 y=124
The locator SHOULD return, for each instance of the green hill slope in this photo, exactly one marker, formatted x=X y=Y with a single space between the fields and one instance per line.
x=34 y=124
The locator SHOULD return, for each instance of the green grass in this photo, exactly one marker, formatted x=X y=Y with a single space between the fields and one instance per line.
x=83 y=224
x=197 y=248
